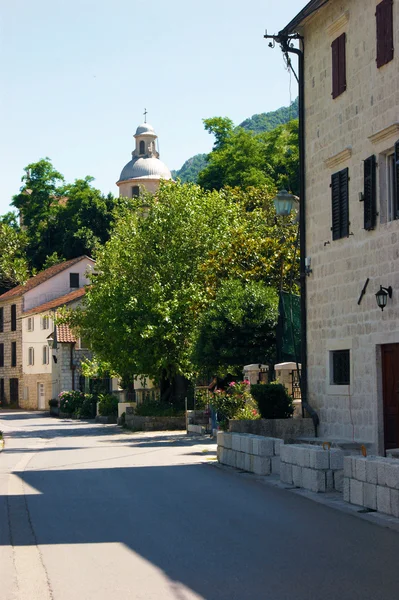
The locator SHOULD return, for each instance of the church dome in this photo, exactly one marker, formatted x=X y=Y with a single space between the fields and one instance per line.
x=145 y=128
x=145 y=168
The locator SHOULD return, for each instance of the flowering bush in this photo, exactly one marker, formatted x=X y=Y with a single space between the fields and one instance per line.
x=235 y=402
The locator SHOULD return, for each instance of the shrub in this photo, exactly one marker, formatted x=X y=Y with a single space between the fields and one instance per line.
x=71 y=401
x=108 y=405
x=274 y=402
x=236 y=402
x=88 y=408
x=154 y=408
x=53 y=403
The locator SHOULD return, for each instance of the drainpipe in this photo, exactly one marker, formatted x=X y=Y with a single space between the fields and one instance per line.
x=285 y=42
x=72 y=366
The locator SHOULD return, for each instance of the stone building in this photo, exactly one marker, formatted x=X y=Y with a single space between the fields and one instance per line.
x=351 y=78
x=145 y=169
x=26 y=320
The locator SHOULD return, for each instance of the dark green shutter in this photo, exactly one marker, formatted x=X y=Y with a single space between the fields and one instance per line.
x=340 y=204
x=335 y=207
x=396 y=190
x=370 y=193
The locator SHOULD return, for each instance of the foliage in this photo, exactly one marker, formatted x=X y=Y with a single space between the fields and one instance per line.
x=270 y=120
x=189 y=171
x=88 y=408
x=235 y=402
x=13 y=263
x=201 y=399
x=53 y=403
x=71 y=401
x=238 y=327
x=241 y=158
x=153 y=408
x=108 y=405
x=273 y=401
x=52 y=259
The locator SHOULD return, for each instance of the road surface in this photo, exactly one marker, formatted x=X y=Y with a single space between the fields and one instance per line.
x=88 y=512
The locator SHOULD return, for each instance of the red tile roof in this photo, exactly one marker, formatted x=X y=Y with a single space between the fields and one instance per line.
x=42 y=277
x=65 y=335
x=66 y=299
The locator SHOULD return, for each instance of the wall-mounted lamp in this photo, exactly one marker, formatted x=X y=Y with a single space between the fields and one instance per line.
x=382 y=296
x=308 y=261
x=284 y=202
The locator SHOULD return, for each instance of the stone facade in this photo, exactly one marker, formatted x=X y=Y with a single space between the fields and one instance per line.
x=30 y=390
x=7 y=372
x=340 y=133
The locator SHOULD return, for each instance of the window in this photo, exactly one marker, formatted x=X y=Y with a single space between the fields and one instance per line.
x=1 y=355
x=14 y=391
x=142 y=147
x=2 y=391
x=340 y=204
x=31 y=356
x=30 y=325
x=74 y=280
x=135 y=191
x=1 y=320
x=45 y=355
x=340 y=367
x=13 y=317
x=384 y=21
x=45 y=322
x=338 y=65
x=388 y=184
x=13 y=354
x=370 y=193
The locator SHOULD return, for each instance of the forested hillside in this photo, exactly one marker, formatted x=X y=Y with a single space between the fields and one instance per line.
x=259 y=123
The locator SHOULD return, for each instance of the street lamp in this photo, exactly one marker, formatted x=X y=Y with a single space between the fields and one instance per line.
x=382 y=296
x=284 y=202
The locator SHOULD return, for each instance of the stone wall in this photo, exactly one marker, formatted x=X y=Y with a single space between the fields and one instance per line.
x=154 y=423
x=312 y=467
x=372 y=482
x=340 y=133
x=288 y=430
x=7 y=337
x=30 y=396
x=253 y=453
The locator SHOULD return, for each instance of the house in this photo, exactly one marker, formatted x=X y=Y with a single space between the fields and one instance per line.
x=351 y=132
x=24 y=362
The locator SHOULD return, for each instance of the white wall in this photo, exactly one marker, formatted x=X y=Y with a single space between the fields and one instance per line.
x=35 y=339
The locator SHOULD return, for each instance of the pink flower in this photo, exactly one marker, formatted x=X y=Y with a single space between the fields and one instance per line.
x=232 y=383
x=246 y=381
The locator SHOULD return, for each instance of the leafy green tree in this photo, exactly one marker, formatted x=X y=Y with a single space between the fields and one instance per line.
x=237 y=328
x=270 y=120
x=13 y=263
x=189 y=171
x=221 y=127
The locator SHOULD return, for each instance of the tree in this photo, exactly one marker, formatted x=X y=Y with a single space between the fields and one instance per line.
x=13 y=262
x=237 y=328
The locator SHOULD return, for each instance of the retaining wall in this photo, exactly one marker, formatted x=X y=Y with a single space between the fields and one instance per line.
x=312 y=467
x=253 y=453
x=288 y=430
x=372 y=482
x=154 y=423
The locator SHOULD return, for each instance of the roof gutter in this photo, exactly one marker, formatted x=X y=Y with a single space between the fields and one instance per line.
x=308 y=10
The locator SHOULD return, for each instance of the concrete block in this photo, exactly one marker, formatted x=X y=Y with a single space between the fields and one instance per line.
x=313 y=480
x=286 y=453
x=360 y=468
x=220 y=438
x=249 y=463
x=392 y=474
x=240 y=461
x=336 y=459
x=261 y=465
x=302 y=456
x=232 y=458
x=318 y=458
x=371 y=471
x=381 y=472
x=275 y=464
x=356 y=492
x=286 y=472
x=221 y=454
x=246 y=443
x=338 y=480
x=348 y=466
x=370 y=496
x=383 y=499
x=236 y=442
x=395 y=503
x=297 y=475
x=346 y=489
x=265 y=447
x=227 y=440
x=329 y=480
x=277 y=446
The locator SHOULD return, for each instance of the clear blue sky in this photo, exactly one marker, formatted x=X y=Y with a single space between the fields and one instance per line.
x=77 y=74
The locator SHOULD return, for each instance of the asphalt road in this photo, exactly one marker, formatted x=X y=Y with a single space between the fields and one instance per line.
x=90 y=513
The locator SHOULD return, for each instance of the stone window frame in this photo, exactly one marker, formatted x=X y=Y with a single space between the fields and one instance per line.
x=142 y=147
x=13 y=354
x=31 y=356
x=30 y=324
x=45 y=355
x=45 y=322
x=331 y=346
x=386 y=186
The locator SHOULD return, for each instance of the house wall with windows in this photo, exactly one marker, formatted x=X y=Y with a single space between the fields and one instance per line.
x=10 y=352
x=351 y=211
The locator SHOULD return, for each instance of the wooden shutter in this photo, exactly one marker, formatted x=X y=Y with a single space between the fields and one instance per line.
x=340 y=204
x=396 y=190
x=1 y=355
x=338 y=65
x=384 y=22
x=370 y=193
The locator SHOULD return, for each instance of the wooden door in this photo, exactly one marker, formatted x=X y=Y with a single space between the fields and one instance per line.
x=390 y=387
x=14 y=398
x=41 y=396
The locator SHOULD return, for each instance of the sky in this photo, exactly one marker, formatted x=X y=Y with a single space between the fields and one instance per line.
x=76 y=76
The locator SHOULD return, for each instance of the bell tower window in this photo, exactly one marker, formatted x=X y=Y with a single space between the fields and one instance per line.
x=135 y=191
x=142 y=147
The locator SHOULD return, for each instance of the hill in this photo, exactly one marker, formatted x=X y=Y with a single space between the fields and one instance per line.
x=257 y=123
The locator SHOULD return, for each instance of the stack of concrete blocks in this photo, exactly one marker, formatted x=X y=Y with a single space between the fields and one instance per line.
x=253 y=453
x=372 y=482
x=312 y=467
